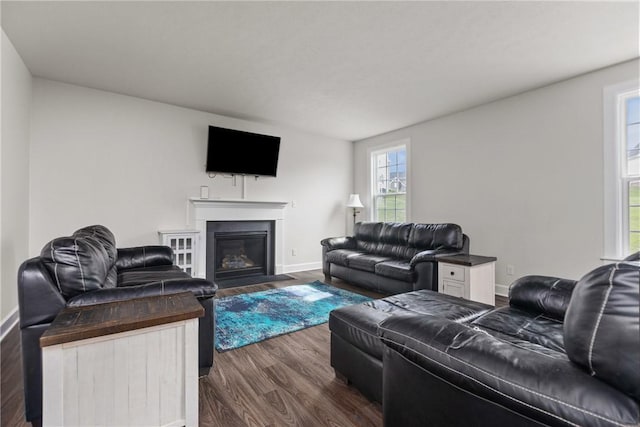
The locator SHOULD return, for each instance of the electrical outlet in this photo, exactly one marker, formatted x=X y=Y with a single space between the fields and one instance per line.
x=294 y=252
x=511 y=270
x=293 y=204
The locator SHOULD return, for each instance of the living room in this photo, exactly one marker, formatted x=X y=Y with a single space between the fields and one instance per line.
x=501 y=107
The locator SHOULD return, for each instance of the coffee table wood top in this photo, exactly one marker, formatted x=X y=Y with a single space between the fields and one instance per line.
x=78 y=323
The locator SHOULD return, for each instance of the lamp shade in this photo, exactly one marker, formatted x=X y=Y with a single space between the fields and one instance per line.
x=354 y=201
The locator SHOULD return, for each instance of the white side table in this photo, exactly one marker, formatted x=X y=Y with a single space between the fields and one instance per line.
x=471 y=277
x=127 y=363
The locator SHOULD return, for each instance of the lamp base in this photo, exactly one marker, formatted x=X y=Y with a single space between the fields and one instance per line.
x=355 y=212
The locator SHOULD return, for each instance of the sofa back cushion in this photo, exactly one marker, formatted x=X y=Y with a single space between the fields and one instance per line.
x=367 y=235
x=394 y=239
x=602 y=325
x=383 y=238
x=76 y=264
x=435 y=236
x=108 y=241
x=404 y=240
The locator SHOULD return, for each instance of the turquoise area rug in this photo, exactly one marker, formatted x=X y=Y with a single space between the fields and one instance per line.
x=249 y=318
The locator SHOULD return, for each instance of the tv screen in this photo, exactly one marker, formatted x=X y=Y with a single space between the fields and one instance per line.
x=242 y=153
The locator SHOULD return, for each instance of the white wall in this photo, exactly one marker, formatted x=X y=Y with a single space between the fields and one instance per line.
x=523 y=176
x=14 y=173
x=131 y=164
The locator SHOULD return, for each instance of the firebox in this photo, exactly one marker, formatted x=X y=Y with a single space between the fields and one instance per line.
x=238 y=249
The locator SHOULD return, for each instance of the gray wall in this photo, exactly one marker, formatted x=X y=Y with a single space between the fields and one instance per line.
x=14 y=174
x=132 y=164
x=523 y=176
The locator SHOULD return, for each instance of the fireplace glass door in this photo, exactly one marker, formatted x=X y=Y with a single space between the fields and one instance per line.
x=240 y=254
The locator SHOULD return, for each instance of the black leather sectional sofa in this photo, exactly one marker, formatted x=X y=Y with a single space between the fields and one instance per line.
x=86 y=268
x=563 y=353
x=392 y=257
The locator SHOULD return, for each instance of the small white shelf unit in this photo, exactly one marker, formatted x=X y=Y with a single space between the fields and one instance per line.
x=184 y=244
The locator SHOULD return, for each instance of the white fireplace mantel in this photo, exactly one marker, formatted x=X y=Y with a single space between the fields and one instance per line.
x=203 y=210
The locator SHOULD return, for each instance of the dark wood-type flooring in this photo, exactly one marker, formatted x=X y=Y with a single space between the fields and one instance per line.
x=286 y=380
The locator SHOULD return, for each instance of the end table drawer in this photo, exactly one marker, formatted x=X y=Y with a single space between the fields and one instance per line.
x=452 y=272
x=454 y=289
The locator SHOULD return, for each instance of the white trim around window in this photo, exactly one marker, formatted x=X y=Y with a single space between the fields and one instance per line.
x=616 y=241
x=380 y=148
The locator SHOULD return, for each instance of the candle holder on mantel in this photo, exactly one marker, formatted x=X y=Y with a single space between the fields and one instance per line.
x=355 y=203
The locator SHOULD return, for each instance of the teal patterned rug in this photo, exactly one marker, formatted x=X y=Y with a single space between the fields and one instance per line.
x=249 y=318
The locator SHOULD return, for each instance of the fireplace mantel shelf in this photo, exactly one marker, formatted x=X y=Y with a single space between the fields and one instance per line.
x=244 y=202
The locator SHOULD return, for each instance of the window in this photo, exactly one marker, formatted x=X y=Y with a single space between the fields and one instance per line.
x=622 y=170
x=389 y=184
x=631 y=171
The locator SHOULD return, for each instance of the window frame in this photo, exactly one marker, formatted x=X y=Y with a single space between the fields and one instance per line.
x=372 y=182
x=616 y=178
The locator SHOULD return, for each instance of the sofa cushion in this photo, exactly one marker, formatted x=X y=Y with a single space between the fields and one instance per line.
x=436 y=304
x=339 y=256
x=357 y=324
x=365 y=262
x=395 y=269
x=395 y=233
x=394 y=240
x=200 y=288
x=523 y=325
x=141 y=276
x=108 y=241
x=76 y=264
x=367 y=236
x=435 y=236
x=144 y=256
x=602 y=325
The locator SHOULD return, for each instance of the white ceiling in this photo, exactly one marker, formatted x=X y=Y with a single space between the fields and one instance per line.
x=345 y=69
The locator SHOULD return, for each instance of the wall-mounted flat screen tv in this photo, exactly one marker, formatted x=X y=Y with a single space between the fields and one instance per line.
x=242 y=153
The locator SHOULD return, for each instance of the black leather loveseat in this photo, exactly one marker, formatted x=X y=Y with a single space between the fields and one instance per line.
x=563 y=353
x=392 y=257
x=85 y=269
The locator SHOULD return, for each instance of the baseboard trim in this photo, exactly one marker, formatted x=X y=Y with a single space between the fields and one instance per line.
x=502 y=290
x=294 y=268
x=8 y=323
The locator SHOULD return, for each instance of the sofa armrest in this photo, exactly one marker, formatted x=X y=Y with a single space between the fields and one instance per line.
x=545 y=387
x=465 y=244
x=346 y=242
x=633 y=257
x=542 y=294
x=431 y=255
x=144 y=256
x=424 y=256
x=200 y=288
x=39 y=300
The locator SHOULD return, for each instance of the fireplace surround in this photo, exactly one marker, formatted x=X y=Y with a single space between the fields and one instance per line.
x=202 y=211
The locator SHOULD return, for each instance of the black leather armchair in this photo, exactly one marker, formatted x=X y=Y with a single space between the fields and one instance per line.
x=392 y=258
x=563 y=353
x=86 y=269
